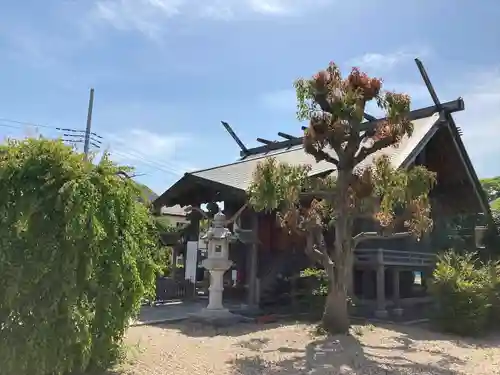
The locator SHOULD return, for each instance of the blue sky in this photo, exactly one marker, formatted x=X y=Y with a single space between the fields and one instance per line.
x=166 y=72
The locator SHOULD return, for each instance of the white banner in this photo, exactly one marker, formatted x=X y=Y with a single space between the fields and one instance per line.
x=191 y=260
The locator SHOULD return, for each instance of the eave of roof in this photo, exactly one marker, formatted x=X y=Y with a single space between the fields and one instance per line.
x=189 y=179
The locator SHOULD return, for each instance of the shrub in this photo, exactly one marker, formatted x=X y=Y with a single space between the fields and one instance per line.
x=462 y=287
x=494 y=272
x=75 y=259
x=318 y=281
x=163 y=258
x=312 y=289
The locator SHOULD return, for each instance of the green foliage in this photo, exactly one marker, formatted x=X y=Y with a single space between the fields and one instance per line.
x=321 y=280
x=494 y=273
x=146 y=194
x=496 y=218
x=495 y=205
x=491 y=187
x=275 y=185
x=164 y=224
x=404 y=193
x=312 y=289
x=467 y=293
x=162 y=256
x=75 y=259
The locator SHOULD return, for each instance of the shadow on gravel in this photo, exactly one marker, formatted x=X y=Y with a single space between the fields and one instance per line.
x=340 y=355
x=198 y=329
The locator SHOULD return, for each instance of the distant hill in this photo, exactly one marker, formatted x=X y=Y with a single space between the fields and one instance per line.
x=147 y=194
x=164 y=223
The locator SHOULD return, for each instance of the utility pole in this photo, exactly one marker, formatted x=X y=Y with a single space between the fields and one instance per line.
x=86 y=145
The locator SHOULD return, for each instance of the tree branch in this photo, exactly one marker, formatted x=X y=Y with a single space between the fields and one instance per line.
x=322 y=102
x=377 y=146
x=311 y=251
x=318 y=194
x=364 y=236
x=124 y=174
x=237 y=214
x=320 y=155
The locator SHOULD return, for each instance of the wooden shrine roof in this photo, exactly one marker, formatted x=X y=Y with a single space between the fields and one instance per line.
x=232 y=180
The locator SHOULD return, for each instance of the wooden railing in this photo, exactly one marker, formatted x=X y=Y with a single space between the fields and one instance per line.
x=394 y=257
x=169 y=289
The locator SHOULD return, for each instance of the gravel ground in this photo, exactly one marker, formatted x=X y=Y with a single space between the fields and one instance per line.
x=271 y=349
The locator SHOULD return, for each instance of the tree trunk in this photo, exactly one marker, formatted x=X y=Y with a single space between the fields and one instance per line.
x=336 y=315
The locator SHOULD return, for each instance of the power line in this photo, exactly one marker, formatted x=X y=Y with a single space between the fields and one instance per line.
x=76 y=136
x=138 y=155
x=72 y=136
x=149 y=163
x=10 y=126
x=36 y=125
x=164 y=164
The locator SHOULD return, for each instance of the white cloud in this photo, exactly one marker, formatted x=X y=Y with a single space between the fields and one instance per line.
x=283 y=7
x=150 y=17
x=144 y=149
x=145 y=16
x=384 y=62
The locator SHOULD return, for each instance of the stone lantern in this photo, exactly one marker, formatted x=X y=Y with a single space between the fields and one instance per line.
x=218 y=238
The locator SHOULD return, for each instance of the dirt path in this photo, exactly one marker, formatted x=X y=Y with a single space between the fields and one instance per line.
x=294 y=349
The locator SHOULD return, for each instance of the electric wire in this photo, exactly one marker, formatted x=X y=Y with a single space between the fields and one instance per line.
x=77 y=136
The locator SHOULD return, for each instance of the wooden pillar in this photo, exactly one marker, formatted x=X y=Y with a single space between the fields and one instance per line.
x=396 y=292
x=253 y=294
x=395 y=285
x=381 y=311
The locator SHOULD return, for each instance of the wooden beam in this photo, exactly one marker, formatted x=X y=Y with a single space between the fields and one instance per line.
x=448 y=107
x=265 y=141
x=286 y=136
x=274 y=146
x=228 y=128
x=428 y=83
x=369 y=117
